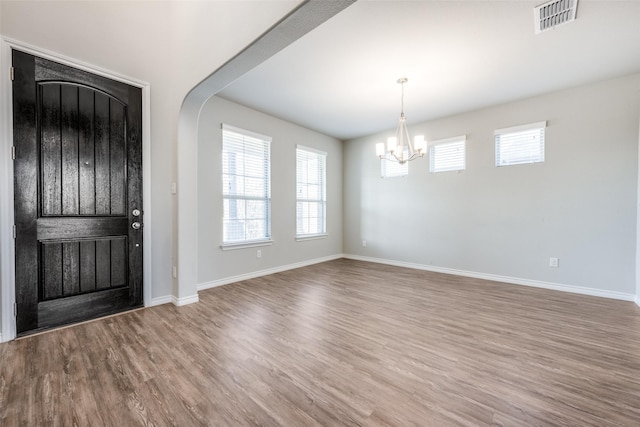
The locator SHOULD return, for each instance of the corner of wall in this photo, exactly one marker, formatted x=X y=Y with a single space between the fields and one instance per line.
x=190 y=299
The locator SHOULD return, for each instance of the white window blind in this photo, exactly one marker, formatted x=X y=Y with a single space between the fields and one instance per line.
x=447 y=154
x=520 y=144
x=389 y=168
x=246 y=189
x=311 y=196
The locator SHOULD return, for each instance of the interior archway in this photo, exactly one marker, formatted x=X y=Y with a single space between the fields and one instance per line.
x=296 y=24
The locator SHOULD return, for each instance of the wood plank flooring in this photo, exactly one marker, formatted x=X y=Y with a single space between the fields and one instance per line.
x=343 y=343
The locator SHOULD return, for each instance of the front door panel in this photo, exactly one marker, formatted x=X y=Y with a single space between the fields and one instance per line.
x=77 y=182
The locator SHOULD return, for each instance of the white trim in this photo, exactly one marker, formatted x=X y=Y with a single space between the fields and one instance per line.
x=245 y=132
x=310 y=150
x=243 y=245
x=305 y=237
x=266 y=272
x=497 y=278
x=147 y=239
x=71 y=62
x=519 y=128
x=184 y=300
x=160 y=301
x=448 y=140
x=7 y=255
x=637 y=299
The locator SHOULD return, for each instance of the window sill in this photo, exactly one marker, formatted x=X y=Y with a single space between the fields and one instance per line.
x=252 y=244
x=311 y=237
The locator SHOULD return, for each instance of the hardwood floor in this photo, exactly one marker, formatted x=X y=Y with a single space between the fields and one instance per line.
x=339 y=343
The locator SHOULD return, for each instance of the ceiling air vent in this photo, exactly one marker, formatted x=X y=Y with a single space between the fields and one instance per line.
x=553 y=13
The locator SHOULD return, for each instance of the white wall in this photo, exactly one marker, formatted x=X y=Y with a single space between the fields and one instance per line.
x=4 y=177
x=167 y=44
x=637 y=298
x=579 y=205
x=217 y=266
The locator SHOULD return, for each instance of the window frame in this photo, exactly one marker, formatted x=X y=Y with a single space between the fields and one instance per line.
x=255 y=139
x=512 y=132
x=443 y=142
x=322 y=200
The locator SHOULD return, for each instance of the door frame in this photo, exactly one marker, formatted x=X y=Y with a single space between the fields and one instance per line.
x=7 y=243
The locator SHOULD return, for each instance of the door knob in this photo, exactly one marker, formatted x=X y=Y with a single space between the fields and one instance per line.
x=136 y=225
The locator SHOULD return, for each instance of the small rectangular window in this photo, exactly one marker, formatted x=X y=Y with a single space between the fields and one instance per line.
x=390 y=169
x=520 y=144
x=311 y=194
x=246 y=187
x=447 y=154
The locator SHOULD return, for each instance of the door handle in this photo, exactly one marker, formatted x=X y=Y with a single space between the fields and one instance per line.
x=136 y=225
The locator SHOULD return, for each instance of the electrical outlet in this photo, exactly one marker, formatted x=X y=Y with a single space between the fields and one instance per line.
x=259 y=254
x=364 y=243
x=554 y=262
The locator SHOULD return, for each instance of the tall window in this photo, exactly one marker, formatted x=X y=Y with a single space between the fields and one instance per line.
x=520 y=144
x=311 y=194
x=447 y=154
x=246 y=189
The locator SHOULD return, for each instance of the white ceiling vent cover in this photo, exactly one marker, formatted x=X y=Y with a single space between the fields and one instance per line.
x=553 y=13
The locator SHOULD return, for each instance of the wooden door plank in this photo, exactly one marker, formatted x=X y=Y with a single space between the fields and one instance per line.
x=102 y=155
x=52 y=270
x=70 y=268
x=86 y=151
x=46 y=70
x=134 y=190
x=117 y=158
x=118 y=262
x=25 y=175
x=103 y=264
x=87 y=266
x=50 y=150
x=69 y=136
x=74 y=228
x=68 y=310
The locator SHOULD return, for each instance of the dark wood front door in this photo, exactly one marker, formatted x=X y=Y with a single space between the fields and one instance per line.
x=78 y=193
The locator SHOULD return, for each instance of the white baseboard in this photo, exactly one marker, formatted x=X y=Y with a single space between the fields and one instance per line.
x=266 y=272
x=637 y=300
x=185 y=300
x=161 y=300
x=505 y=279
x=170 y=299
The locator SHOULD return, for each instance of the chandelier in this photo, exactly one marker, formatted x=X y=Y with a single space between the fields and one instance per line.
x=399 y=148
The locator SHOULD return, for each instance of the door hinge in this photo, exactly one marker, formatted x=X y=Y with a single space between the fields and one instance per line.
x=15 y=309
x=14 y=231
x=13 y=152
x=12 y=73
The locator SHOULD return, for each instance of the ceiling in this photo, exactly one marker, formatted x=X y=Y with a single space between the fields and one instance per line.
x=340 y=79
